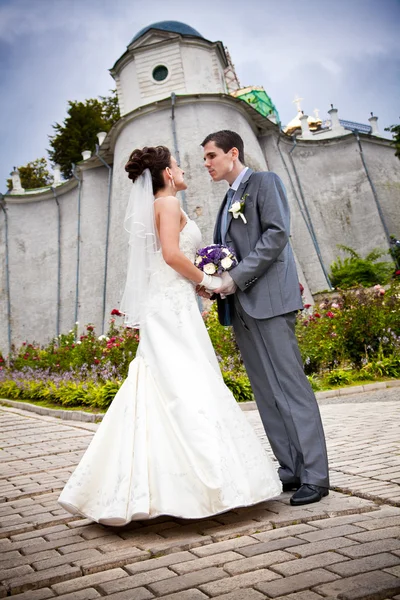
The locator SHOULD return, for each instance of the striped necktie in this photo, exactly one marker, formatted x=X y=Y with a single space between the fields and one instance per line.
x=224 y=218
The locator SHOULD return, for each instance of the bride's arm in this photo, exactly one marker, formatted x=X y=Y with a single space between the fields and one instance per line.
x=168 y=219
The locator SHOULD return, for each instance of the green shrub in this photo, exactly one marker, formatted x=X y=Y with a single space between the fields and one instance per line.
x=338 y=377
x=354 y=271
x=358 y=327
x=105 y=394
x=10 y=389
x=386 y=367
x=239 y=386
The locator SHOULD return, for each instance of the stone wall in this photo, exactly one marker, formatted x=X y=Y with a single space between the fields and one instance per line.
x=330 y=175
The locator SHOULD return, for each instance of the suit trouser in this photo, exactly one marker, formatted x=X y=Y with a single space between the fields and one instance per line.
x=284 y=397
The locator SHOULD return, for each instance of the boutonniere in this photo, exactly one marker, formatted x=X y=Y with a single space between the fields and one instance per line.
x=237 y=209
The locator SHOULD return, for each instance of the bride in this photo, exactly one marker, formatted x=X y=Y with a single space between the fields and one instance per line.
x=174 y=441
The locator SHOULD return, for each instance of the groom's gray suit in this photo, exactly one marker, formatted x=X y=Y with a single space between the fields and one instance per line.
x=262 y=312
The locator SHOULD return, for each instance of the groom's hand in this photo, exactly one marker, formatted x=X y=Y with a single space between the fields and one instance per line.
x=228 y=286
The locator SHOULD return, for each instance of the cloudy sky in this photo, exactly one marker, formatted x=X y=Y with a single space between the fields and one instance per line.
x=345 y=52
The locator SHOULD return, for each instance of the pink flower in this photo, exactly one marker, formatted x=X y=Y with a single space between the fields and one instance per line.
x=116 y=312
x=334 y=305
x=317 y=315
x=301 y=288
x=89 y=327
x=307 y=306
x=330 y=314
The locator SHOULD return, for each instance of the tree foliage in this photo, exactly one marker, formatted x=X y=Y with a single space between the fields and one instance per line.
x=79 y=130
x=395 y=130
x=354 y=270
x=33 y=175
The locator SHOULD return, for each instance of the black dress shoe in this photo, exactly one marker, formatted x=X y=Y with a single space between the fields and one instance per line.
x=290 y=486
x=307 y=494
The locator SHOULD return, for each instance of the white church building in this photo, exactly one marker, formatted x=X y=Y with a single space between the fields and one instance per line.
x=63 y=250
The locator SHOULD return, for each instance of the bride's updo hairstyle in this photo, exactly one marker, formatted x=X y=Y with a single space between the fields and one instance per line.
x=154 y=158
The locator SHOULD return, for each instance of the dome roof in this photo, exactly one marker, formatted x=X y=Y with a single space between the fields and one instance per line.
x=313 y=122
x=174 y=26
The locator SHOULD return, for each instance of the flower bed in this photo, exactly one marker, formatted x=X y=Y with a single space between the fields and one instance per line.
x=351 y=337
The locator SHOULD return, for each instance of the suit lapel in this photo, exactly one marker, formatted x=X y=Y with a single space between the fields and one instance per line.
x=239 y=194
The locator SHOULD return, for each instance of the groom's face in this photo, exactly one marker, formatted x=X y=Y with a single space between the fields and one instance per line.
x=218 y=163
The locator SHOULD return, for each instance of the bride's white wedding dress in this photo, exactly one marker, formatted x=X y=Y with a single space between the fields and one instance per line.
x=174 y=441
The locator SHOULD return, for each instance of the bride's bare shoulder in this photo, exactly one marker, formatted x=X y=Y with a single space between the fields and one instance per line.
x=167 y=203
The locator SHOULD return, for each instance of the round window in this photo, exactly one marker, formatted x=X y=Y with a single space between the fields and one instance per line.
x=160 y=73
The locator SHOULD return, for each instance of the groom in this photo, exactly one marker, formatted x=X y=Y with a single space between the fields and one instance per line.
x=260 y=297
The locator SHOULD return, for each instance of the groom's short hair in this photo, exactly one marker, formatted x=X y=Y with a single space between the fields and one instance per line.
x=226 y=140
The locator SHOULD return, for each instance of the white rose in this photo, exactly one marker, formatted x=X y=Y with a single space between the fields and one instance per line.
x=235 y=207
x=198 y=260
x=226 y=262
x=210 y=269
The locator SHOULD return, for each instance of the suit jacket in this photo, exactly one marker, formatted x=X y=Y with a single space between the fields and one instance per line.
x=266 y=275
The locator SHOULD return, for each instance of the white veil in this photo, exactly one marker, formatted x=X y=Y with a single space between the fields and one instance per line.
x=144 y=251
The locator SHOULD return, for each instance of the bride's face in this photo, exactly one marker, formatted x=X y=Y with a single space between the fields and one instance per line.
x=177 y=173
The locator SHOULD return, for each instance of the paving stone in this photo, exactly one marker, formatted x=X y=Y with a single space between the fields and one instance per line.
x=232 y=544
x=359 y=550
x=140 y=594
x=282 y=532
x=156 y=563
x=190 y=580
x=225 y=532
x=138 y=580
x=375 y=585
x=214 y=560
x=72 y=585
x=43 y=578
x=110 y=560
x=62 y=559
x=86 y=594
x=376 y=534
x=185 y=595
x=16 y=572
x=42 y=594
x=331 y=532
x=363 y=565
x=65 y=545
x=259 y=561
x=344 y=520
x=296 y=583
x=244 y=580
x=307 y=564
x=381 y=523
x=40 y=532
x=263 y=547
x=394 y=571
x=323 y=546
x=40 y=544
x=301 y=596
x=243 y=594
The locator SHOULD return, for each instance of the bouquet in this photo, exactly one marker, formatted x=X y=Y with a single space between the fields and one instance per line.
x=215 y=259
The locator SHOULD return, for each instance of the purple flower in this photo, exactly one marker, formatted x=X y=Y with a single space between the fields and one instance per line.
x=221 y=256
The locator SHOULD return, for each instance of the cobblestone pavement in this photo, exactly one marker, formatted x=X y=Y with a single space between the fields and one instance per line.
x=347 y=546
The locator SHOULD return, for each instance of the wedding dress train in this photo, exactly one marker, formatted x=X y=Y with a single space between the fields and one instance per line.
x=174 y=441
